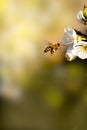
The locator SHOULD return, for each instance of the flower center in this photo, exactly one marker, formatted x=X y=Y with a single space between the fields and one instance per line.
x=85 y=48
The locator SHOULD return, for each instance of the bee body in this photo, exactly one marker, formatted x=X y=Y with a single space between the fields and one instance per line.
x=52 y=47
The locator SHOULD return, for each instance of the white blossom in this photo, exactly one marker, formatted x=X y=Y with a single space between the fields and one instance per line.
x=76 y=44
x=82 y=16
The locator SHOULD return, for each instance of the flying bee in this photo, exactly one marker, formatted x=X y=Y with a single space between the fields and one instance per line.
x=52 y=47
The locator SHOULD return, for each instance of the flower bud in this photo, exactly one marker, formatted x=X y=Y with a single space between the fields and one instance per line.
x=85 y=11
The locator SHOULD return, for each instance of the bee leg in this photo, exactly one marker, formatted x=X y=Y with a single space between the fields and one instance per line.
x=51 y=51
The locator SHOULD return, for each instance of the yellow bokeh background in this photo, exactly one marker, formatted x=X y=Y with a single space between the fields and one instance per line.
x=40 y=91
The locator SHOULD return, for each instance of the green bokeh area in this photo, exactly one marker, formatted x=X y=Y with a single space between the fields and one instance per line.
x=55 y=100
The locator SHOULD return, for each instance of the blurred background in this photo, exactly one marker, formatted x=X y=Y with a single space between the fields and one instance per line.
x=40 y=91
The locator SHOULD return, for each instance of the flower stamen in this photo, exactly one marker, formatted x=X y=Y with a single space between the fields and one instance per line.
x=80 y=38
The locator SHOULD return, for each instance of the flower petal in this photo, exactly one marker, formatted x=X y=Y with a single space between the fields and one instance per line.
x=80 y=50
x=81 y=18
x=69 y=36
x=70 y=31
x=66 y=39
x=80 y=53
x=70 y=55
x=81 y=43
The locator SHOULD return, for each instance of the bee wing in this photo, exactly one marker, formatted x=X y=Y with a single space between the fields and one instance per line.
x=48 y=43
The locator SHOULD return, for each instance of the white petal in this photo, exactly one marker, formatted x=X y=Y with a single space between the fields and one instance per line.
x=80 y=52
x=70 y=31
x=69 y=36
x=79 y=44
x=70 y=54
x=66 y=39
x=81 y=18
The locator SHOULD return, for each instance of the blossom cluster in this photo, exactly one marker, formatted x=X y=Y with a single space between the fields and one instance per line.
x=76 y=41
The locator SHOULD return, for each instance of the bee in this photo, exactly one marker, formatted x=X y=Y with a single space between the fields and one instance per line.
x=52 y=47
